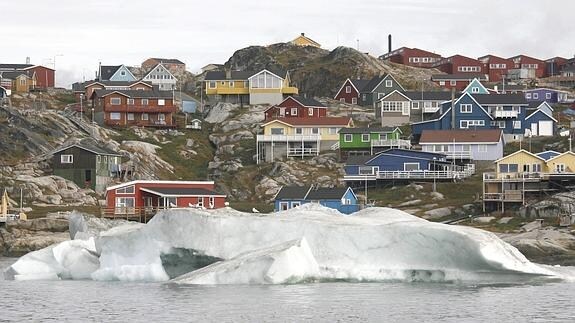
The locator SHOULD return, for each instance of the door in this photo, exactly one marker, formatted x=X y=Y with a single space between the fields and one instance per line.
x=545 y=128
x=534 y=128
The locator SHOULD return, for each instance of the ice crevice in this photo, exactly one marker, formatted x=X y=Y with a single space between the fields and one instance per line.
x=308 y=243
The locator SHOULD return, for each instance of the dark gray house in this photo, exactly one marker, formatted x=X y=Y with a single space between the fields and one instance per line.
x=377 y=88
x=87 y=164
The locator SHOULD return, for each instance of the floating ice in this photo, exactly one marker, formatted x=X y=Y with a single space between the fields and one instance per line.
x=307 y=243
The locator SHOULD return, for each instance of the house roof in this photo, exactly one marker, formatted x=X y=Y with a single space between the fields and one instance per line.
x=359 y=84
x=107 y=71
x=509 y=98
x=136 y=93
x=13 y=74
x=548 y=154
x=368 y=130
x=358 y=160
x=221 y=75
x=521 y=151
x=91 y=146
x=80 y=86
x=334 y=193
x=156 y=182
x=461 y=136
x=14 y=66
x=459 y=77
x=429 y=95
x=540 y=111
x=168 y=60
x=292 y=193
x=373 y=83
x=307 y=102
x=302 y=35
x=180 y=191
x=317 y=121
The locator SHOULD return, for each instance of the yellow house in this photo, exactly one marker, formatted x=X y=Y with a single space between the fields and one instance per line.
x=302 y=40
x=22 y=82
x=263 y=87
x=519 y=162
x=299 y=137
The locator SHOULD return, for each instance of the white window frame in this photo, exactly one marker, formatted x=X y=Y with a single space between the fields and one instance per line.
x=212 y=84
x=388 y=83
x=281 y=131
x=363 y=137
x=415 y=105
x=466 y=108
x=364 y=97
x=348 y=89
x=501 y=124
x=474 y=89
x=115 y=116
x=144 y=102
x=145 y=117
x=333 y=131
x=161 y=102
x=517 y=124
x=295 y=204
x=115 y=101
x=130 y=117
x=342 y=100
x=67 y=159
x=310 y=112
x=528 y=95
x=405 y=164
x=130 y=101
x=453 y=83
x=315 y=131
x=298 y=131
x=130 y=189
x=161 y=117
x=231 y=83
x=293 y=111
x=462 y=126
x=211 y=202
x=535 y=96
x=284 y=206
x=441 y=82
x=548 y=96
x=348 y=137
x=353 y=100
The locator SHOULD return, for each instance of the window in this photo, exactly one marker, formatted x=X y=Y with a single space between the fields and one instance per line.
x=125 y=205
x=115 y=116
x=535 y=96
x=409 y=167
x=200 y=201
x=144 y=101
x=392 y=106
x=145 y=117
x=125 y=190
x=380 y=95
x=453 y=83
x=161 y=102
x=277 y=131
x=310 y=112
x=348 y=89
x=560 y=168
x=353 y=100
x=161 y=117
x=501 y=124
x=212 y=84
x=366 y=170
x=347 y=137
x=130 y=117
x=536 y=168
x=231 y=83
x=548 y=96
x=299 y=131
x=123 y=73
x=388 y=83
x=464 y=124
x=212 y=202
x=526 y=168
x=528 y=95
x=465 y=108
x=442 y=83
x=115 y=101
x=364 y=97
x=508 y=168
x=365 y=137
x=284 y=206
x=415 y=105
x=474 y=89
x=516 y=124
x=315 y=131
x=294 y=111
x=295 y=204
x=342 y=100
x=66 y=159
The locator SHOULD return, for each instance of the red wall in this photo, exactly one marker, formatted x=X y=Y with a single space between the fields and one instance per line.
x=460 y=85
x=44 y=77
x=347 y=96
x=451 y=65
x=302 y=111
x=541 y=66
x=496 y=74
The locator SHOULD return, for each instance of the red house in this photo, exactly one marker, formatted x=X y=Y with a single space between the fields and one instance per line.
x=529 y=63
x=458 y=64
x=44 y=75
x=350 y=91
x=296 y=107
x=496 y=67
x=142 y=199
x=412 y=56
x=142 y=108
x=86 y=89
x=554 y=65
x=456 y=81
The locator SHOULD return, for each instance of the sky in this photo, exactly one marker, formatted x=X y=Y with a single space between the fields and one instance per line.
x=76 y=35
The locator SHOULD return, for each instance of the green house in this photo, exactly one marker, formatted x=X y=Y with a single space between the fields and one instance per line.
x=367 y=141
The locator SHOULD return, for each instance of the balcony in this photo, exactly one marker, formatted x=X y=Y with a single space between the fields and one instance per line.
x=290 y=90
x=515 y=177
x=456 y=154
x=302 y=152
x=507 y=196
x=416 y=174
x=288 y=138
x=392 y=143
x=140 y=108
x=430 y=109
x=227 y=90
x=505 y=114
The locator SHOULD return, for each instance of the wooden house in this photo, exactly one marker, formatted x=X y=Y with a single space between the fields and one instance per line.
x=459 y=64
x=296 y=107
x=174 y=66
x=299 y=137
x=464 y=145
x=412 y=57
x=43 y=76
x=457 y=81
x=125 y=108
x=115 y=73
x=368 y=92
x=496 y=67
x=339 y=198
x=545 y=94
x=85 y=89
x=368 y=141
x=554 y=65
x=535 y=68
x=303 y=40
x=87 y=164
x=161 y=76
x=142 y=199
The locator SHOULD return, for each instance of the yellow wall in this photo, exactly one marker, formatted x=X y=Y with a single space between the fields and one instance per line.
x=18 y=87
x=302 y=41
x=223 y=87
x=568 y=159
x=290 y=131
x=521 y=158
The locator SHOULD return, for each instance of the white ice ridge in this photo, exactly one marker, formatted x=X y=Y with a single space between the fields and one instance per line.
x=306 y=243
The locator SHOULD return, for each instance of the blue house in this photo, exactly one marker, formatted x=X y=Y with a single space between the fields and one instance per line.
x=545 y=94
x=508 y=112
x=475 y=87
x=403 y=164
x=115 y=73
x=540 y=121
x=342 y=199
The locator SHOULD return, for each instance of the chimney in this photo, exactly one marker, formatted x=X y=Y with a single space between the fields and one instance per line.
x=99 y=71
x=303 y=34
x=389 y=43
x=28 y=60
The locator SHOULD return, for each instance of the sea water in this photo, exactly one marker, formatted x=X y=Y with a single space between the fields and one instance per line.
x=96 y=301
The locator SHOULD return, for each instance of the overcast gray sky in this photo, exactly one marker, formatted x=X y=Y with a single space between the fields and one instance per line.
x=200 y=32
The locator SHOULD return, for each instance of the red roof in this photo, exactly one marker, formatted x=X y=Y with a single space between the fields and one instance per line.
x=459 y=136
x=317 y=121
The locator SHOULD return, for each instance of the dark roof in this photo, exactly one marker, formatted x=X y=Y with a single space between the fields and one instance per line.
x=370 y=86
x=367 y=130
x=89 y=145
x=14 y=66
x=182 y=191
x=136 y=93
x=515 y=98
x=80 y=86
x=168 y=60
x=359 y=84
x=459 y=136
x=468 y=76
x=277 y=71
x=106 y=71
x=429 y=95
x=308 y=102
x=292 y=192
x=221 y=75
x=13 y=74
x=315 y=121
x=535 y=104
x=358 y=160
x=334 y=193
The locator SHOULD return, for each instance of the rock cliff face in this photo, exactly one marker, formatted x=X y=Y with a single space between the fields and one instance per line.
x=21 y=237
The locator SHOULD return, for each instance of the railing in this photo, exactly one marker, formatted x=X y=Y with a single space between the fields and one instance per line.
x=507 y=196
x=430 y=109
x=456 y=154
x=527 y=177
x=505 y=114
x=140 y=108
x=290 y=90
x=335 y=146
x=416 y=174
x=294 y=152
x=288 y=138
x=141 y=214
x=400 y=143
x=223 y=91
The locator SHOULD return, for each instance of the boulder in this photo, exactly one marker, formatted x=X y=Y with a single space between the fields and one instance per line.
x=437 y=213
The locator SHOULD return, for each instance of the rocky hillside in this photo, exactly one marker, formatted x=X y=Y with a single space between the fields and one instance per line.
x=319 y=73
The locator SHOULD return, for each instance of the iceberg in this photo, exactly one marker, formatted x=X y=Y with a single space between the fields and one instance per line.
x=308 y=243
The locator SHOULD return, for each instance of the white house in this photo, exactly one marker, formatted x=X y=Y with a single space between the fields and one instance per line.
x=480 y=144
